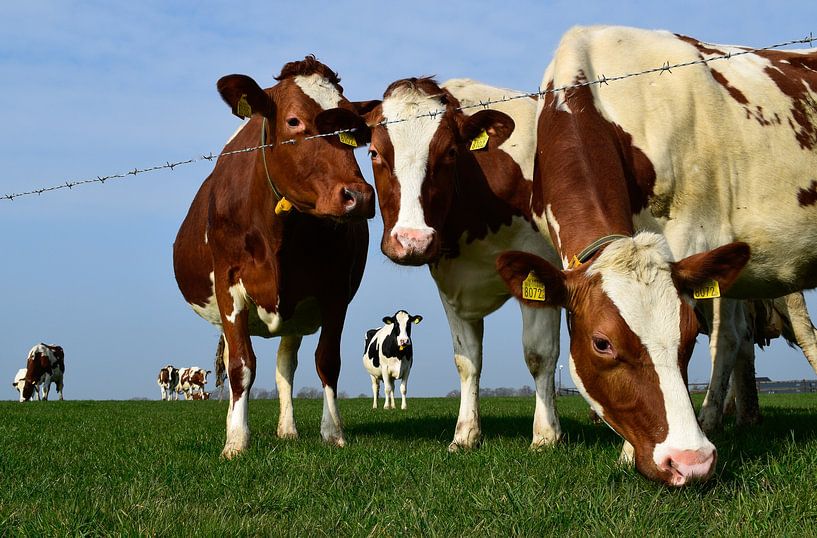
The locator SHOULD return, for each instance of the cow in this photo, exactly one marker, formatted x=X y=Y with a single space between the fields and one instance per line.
x=20 y=382
x=200 y=396
x=454 y=191
x=275 y=241
x=192 y=381
x=45 y=364
x=168 y=380
x=654 y=188
x=389 y=354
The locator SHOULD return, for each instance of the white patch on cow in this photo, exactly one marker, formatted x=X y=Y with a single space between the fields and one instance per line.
x=238 y=430
x=331 y=424
x=411 y=141
x=521 y=145
x=577 y=380
x=210 y=310
x=319 y=90
x=205 y=237
x=402 y=332
x=635 y=274
x=239 y=294
x=553 y=223
x=271 y=319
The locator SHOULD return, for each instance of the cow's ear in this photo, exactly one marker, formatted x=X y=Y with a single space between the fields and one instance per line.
x=497 y=125
x=245 y=96
x=416 y=319
x=364 y=107
x=532 y=280
x=342 y=119
x=722 y=264
x=387 y=320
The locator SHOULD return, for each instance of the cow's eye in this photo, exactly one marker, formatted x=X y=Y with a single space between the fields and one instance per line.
x=293 y=122
x=602 y=345
x=373 y=153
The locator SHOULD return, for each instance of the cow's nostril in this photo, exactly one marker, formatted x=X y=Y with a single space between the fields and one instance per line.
x=350 y=198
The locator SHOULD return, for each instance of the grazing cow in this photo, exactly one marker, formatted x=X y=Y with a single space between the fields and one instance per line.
x=20 y=383
x=168 y=381
x=191 y=381
x=45 y=364
x=200 y=396
x=275 y=241
x=454 y=192
x=652 y=188
x=389 y=354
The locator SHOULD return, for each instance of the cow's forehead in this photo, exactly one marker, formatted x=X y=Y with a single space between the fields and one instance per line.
x=320 y=90
x=402 y=318
x=635 y=274
x=406 y=103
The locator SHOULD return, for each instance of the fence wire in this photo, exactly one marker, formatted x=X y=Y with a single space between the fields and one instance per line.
x=539 y=93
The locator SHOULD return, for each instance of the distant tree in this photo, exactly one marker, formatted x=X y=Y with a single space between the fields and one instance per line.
x=261 y=393
x=361 y=395
x=310 y=393
x=453 y=394
x=139 y=399
x=525 y=391
x=343 y=395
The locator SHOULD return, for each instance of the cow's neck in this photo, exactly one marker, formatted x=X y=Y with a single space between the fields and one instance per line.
x=489 y=191
x=585 y=185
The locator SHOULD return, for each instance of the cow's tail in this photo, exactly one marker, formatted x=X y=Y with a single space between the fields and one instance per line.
x=219 y=367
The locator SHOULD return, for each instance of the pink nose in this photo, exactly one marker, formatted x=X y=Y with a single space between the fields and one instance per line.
x=414 y=241
x=690 y=465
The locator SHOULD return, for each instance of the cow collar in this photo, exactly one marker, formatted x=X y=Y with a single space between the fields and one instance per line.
x=283 y=205
x=592 y=248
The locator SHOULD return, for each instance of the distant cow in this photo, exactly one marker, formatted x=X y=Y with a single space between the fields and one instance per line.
x=192 y=380
x=389 y=355
x=45 y=365
x=19 y=384
x=168 y=381
x=200 y=396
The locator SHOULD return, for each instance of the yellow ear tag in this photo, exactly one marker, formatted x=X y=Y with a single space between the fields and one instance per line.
x=710 y=290
x=283 y=206
x=402 y=348
x=532 y=288
x=243 y=108
x=480 y=141
x=348 y=139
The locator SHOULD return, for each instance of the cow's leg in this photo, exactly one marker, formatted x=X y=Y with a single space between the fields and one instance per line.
x=805 y=334
x=388 y=388
x=375 y=390
x=540 y=342
x=727 y=316
x=467 y=340
x=327 y=363
x=239 y=360
x=59 y=388
x=46 y=387
x=627 y=456
x=747 y=407
x=286 y=364
x=404 y=389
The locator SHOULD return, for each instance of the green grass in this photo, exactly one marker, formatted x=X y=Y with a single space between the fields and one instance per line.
x=138 y=468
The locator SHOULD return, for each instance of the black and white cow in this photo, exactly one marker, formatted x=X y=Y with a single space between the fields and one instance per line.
x=389 y=355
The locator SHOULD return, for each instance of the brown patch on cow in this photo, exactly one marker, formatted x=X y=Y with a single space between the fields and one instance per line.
x=807 y=197
x=736 y=94
x=795 y=75
x=588 y=169
x=703 y=48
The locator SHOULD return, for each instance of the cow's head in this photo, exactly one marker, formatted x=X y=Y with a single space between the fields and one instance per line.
x=401 y=323
x=415 y=162
x=37 y=365
x=318 y=176
x=632 y=330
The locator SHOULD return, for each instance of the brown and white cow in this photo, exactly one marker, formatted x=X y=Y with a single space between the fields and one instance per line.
x=192 y=381
x=168 y=381
x=252 y=270
x=656 y=185
x=200 y=396
x=455 y=209
x=45 y=364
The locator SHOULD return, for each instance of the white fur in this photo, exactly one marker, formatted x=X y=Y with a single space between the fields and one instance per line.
x=635 y=274
x=411 y=140
x=320 y=90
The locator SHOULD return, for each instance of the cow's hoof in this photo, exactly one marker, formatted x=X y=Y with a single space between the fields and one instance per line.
x=541 y=442
x=462 y=446
x=287 y=435
x=710 y=425
x=335 y=440
x=231 y=451
x=752 y=419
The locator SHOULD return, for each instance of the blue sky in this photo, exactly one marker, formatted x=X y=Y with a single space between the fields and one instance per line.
x=95 y=88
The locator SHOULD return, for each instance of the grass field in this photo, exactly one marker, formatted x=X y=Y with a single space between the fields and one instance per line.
x=102 y=468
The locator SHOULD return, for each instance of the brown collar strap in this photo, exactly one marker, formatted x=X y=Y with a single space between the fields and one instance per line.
x=592 y=248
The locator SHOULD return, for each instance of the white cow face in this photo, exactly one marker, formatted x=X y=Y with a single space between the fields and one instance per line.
x=402 y=322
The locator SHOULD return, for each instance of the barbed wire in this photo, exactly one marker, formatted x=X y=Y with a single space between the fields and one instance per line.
x=602 y=79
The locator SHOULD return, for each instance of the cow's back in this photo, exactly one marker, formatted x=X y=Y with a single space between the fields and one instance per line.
x=714 y=153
